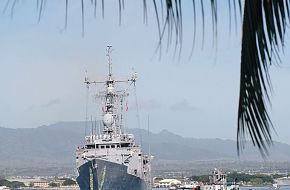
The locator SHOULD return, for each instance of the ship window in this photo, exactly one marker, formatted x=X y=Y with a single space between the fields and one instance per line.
x=118 y=146
x=108 y=146
x=124 y=145
x=97 y=146
x=112 y=146
x=102 y=147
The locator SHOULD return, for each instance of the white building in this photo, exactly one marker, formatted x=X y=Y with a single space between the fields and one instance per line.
x=4 y=188
x=169 y=182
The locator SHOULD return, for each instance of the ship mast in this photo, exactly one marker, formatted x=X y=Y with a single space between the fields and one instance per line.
x=109 y=52
x=112 y=99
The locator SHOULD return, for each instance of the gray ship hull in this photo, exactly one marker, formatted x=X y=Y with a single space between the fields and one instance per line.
x=103 y=175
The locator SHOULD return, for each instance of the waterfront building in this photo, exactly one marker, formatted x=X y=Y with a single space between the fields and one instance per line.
x=169 y=183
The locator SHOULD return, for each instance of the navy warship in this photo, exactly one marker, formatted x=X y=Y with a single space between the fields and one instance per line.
x=110 y=159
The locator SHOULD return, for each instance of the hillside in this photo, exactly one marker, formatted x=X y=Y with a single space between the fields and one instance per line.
x=54 y=146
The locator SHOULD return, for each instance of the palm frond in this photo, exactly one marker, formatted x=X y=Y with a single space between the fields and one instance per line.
x=66 y=13
x=264 y=26
x=172 y=25
x=83 y=17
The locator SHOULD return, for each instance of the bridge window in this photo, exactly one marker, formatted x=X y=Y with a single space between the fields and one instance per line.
x=124 y=145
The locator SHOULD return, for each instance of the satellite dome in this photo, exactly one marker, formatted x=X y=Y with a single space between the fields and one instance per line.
x=108 y=119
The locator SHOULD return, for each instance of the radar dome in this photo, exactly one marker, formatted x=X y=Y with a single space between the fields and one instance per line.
x=108 y=119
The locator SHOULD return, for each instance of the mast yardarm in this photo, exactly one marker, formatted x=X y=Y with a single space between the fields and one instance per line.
x=112 y=99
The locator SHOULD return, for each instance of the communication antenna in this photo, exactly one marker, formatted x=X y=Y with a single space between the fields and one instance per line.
x=95 y=126
x=92 y=123
x=122 y=112
x=109 y=52
x=148 y=127
x=99 y=128
x=87 y=79
x=138 y=115
x=87 y=97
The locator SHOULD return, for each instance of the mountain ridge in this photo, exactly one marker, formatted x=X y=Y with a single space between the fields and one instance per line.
x=54 y=146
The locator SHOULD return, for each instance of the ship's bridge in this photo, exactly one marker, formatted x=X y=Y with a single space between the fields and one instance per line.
x=106 y=142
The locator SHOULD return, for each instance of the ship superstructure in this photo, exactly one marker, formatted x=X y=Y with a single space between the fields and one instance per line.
x=218 y=181
x=110 y=159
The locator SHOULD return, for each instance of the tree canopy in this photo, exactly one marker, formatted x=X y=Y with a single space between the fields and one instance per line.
x=69 y=182
x=11 y=184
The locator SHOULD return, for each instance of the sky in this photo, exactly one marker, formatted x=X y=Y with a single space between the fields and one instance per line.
x=42 y=69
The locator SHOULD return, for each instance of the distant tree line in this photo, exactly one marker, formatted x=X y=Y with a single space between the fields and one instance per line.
x=52 y=184
x=254 y=178
x=11 y=184
x=241 y=177
x=69 y=182
x=17 y=184
x=201 y=178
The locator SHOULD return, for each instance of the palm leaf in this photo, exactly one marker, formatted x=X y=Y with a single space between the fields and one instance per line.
x=264 y=26
x=172 y=27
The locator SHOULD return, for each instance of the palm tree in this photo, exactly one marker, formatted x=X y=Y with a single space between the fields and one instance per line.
x=264 y=23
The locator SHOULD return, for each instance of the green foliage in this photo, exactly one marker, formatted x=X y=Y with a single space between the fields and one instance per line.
x=53 y=184
x=203 y=178
x=13 y=184
x=17 y=184
x=4 y=182
x=255 y=179
x=276 y=176
x=69 y=182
